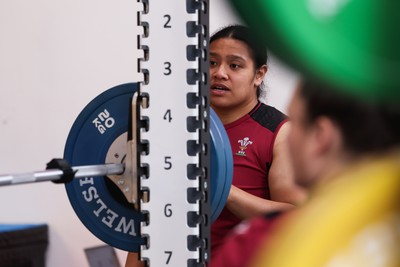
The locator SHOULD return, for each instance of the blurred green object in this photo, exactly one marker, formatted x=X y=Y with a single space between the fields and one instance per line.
x=353 y=44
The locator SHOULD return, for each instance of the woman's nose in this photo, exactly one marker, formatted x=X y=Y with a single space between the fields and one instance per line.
x=219 y=72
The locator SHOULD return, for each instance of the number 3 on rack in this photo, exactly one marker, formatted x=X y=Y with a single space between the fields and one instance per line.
x=167 y=67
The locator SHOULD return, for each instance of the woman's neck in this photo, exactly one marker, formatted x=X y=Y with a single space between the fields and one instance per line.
x=229 y=115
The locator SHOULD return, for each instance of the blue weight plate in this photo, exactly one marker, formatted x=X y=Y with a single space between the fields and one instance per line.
x=221 y=165
x=112 y=219
x=98 y=202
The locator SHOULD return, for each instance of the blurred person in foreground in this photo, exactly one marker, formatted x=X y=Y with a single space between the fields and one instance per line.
x=345 y=151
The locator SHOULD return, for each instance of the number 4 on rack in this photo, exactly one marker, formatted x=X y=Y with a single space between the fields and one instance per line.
x=167 y=115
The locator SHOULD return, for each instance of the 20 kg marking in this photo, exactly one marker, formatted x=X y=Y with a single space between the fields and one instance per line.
x=103 y=121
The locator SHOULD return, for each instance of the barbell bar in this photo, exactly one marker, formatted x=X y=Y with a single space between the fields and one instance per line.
x=57 y=174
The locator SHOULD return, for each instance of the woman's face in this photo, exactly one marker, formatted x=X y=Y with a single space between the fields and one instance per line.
x=233 y=76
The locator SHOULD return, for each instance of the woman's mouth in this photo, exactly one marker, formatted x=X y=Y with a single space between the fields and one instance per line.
x=219 y=88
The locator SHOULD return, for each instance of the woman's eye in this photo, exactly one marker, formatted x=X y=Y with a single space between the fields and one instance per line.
x=234 y=66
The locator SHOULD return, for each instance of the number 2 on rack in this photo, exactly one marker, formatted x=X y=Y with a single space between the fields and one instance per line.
x=167 y=25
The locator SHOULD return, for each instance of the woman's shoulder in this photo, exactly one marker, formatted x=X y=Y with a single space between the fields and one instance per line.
x=269 y=117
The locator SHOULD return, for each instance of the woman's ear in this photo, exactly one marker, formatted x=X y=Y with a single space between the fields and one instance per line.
x=260 y=74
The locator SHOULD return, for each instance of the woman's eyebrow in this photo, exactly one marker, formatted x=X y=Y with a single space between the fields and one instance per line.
x=229 y=57
x=214 y=54
x=236 y=57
